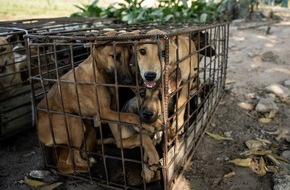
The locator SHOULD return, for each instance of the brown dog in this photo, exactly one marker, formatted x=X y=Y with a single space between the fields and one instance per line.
x=9 y=72
x=149 y=110
x=80 y=92
x=151 y=65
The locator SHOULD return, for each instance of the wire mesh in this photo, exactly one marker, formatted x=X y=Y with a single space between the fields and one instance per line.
x=126 y=105
x=15 y=99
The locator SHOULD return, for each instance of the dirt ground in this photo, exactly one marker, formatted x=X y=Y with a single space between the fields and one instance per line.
x=248 y=74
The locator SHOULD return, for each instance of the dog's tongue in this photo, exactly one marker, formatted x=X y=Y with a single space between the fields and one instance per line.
x=149 y=84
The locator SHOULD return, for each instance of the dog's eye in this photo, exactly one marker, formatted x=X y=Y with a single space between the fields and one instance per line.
x=163 y=53
x=142 y=92
x=142 y=51
x=118 y=56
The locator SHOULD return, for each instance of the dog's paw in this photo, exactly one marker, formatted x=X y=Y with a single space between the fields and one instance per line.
x=153 y=158
x=147 y=173
x=180 y=127
x=158 y=124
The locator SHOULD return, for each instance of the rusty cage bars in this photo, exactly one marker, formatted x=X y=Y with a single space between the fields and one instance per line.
x=15 y=96
x=122 y=168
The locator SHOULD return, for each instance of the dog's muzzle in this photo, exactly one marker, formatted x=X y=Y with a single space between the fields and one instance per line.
x=149 y=80
x=147 y=116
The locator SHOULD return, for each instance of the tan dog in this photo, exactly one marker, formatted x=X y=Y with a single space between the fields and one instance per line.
x=9 y=72
x=151 y=64
x=150 y=111
x=56 y=122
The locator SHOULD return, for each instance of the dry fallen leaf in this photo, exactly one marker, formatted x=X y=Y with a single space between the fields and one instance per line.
x=265 y=120
x=32 y=182
x=219 y=137
x=51 y=186
x=255 y=152
x=254 y=144
x=279 y=157
x=241 y=162
x=281 y=165
x=273 y=169
x=246 y=106
x=273 y=159
x=257 y=144
x=229 y=175
x=265 y=141
x=261 y=170
x=272 y=114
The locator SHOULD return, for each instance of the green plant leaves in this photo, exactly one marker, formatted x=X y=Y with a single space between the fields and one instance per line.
x=132 y=11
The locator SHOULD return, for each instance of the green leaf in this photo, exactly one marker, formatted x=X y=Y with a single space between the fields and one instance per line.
x=203 y=17
x=81 y=8
x=168 y=17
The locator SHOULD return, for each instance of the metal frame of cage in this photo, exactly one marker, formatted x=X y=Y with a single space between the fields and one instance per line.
x=176 y=151
x=15 y=103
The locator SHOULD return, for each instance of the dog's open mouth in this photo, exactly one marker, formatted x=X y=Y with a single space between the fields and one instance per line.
x=149 y=84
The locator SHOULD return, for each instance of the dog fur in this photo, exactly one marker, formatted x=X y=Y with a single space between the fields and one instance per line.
x=94 y=100
x=149 y=111
x=151 y=64
x=203 y=45
x=9 y=72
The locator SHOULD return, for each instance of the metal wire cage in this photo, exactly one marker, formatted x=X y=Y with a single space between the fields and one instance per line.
x=126 y=106
x=15 y=99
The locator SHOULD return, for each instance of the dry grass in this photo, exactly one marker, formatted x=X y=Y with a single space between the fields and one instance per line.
x=16 y=9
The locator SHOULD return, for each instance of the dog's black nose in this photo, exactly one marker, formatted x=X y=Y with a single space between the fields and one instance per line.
x=150 y=76
x=147 y=115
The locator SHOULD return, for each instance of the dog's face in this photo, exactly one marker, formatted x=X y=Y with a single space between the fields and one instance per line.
x=151 y=105
x=150 y=58
x=202 y=42
x=151 y=99
x=115 y=58
x=6 y=62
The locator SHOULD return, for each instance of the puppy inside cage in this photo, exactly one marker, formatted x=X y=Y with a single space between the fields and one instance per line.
x=116 y=116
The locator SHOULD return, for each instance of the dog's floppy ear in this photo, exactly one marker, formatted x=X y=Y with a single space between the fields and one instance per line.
x=134 y=32
x=103 y=44
x=174 y=80
x=111 y=33
x=201 y=41
x=155 y=31
x=173 y=41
